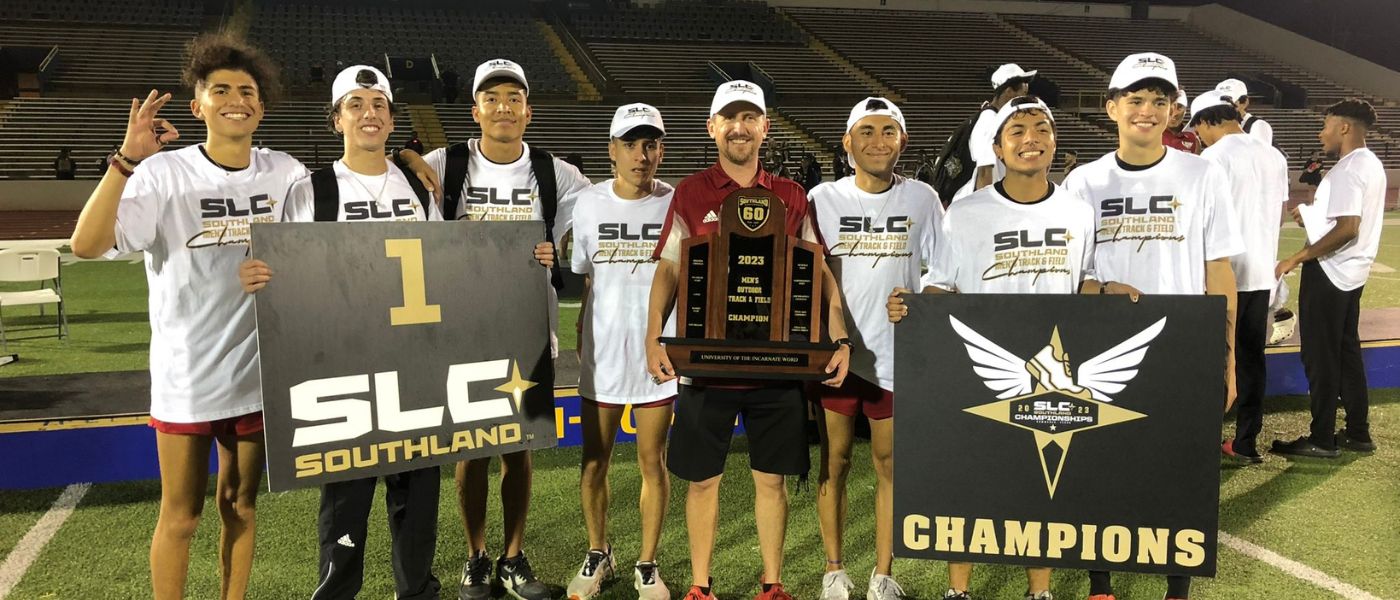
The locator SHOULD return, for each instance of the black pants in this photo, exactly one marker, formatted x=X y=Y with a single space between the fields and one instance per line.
x=411 y=501
x=1251 y=334
x=1101 y=582
x=1327 y=321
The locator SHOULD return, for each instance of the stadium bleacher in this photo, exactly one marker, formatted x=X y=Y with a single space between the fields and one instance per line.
x=934 y=60
x=658 y=52
x=36 y=128
x=303 y=35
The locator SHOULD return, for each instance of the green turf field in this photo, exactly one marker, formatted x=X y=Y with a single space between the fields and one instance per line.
x=1338 y=517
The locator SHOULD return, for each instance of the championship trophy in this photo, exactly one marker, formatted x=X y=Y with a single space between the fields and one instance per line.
x=749 y=297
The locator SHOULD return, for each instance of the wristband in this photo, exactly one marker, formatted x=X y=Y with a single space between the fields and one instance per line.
x=124 y=158
x=116 y=164
x=845 y=341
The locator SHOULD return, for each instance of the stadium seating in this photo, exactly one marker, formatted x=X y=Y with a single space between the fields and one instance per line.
x=1201 y=61
x=168 y=14
x=36 y=128
x=928 y=55
x=745 y=21
x=105 y=59
x=655 y=69
x=303 y=35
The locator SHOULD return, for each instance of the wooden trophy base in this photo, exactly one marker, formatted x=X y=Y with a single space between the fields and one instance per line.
x=749 y=359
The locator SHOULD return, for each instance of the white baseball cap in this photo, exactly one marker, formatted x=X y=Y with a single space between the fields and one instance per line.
x=348 y=81
x=875 y=106
x=1007 y=72
x=1233 y=88
x=1206 y=100
x=1145 y=65
x=1181 y=98
x=738 y=90
x=499 y=67
x=1017 y=105
x=632 y=116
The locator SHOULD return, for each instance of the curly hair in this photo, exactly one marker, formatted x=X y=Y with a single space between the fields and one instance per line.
x=1355 y=109
x=212 y=52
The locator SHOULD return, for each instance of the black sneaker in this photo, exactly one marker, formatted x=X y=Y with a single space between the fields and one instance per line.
x=1355 y=442
x=1303 y=447
x=476 y=578
x=515 y=576
x=1227 y=448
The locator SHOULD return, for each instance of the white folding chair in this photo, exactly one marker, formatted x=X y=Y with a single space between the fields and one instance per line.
x=18 y=265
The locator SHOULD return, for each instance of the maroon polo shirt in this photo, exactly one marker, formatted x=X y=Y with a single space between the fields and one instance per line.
x=699 y=197
x=697 y=203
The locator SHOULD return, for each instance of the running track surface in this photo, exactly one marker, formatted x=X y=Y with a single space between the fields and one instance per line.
x=37 y=224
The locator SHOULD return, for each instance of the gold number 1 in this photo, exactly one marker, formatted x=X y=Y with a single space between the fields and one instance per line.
x=415 y=309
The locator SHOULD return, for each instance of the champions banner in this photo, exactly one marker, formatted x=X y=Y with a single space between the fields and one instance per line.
x=392 y=346
x=1061 y=431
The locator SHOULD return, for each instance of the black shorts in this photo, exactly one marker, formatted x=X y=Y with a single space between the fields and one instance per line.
x=775 y=420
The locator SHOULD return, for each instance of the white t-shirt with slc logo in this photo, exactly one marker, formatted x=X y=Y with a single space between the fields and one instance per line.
x=1258 y=175
x=613 y=242
x=1355 y=187
x=1158 y=224
x=509 y=192
x=875 y=243
x=991 y=244
x=384 y=197
x=191 y=219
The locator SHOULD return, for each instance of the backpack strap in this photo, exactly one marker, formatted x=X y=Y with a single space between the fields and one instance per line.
x=542 y=163
x=415 y=183
x=1248 y=123
x=454 y=179
x=325 y=194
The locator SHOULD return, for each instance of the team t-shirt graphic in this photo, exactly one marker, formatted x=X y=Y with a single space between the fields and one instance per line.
x=613 y=243
x=191 y=218
x=876 y=242
x=385 y=197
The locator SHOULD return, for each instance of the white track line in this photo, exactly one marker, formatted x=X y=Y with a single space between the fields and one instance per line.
x=1296 y=569
x=19 y=560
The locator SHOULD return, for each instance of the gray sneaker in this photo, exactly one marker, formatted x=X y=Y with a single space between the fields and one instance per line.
x=646 y=578
x=515 y=576
x=598 y=566
x=883 y=587
x=836 y=585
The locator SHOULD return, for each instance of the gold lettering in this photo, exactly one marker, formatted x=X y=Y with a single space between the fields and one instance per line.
x=1062 y=537
x=948 y=534
x=916 y=532
x=1117 y=543
x=984 y=537
x=308 y=465
x=415 y=309
x=1189 y=552
x=1152 y=546
x=1022 y=539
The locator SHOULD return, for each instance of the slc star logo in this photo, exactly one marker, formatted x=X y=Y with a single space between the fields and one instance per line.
x=1043 y=396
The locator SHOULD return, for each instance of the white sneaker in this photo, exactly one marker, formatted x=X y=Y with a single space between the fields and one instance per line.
x=836 y=585
x=646 y=577
x=597 y=568
x=883 y=587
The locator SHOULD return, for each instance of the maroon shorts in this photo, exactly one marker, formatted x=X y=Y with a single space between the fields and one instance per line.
x=241 y=425
x=856 y=396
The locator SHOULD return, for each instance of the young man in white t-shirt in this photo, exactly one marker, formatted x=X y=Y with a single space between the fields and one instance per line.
x=368 y=187
x=1343 y=225
x=878 y=229
x=1008 y=81
x=1256 y=127
x=189 y=211
x=616 y=226
x=1258 y=178
x=501 y=181
x=979 y=251
x=1164 y=220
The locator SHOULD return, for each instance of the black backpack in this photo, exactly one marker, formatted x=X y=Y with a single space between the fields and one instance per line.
x=1249 y=123
x=326 y=193
x=541 y=162
x=954 y=166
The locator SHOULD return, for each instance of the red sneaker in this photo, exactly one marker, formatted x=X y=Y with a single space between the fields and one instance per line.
x=775 y=592
x=696 y=594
